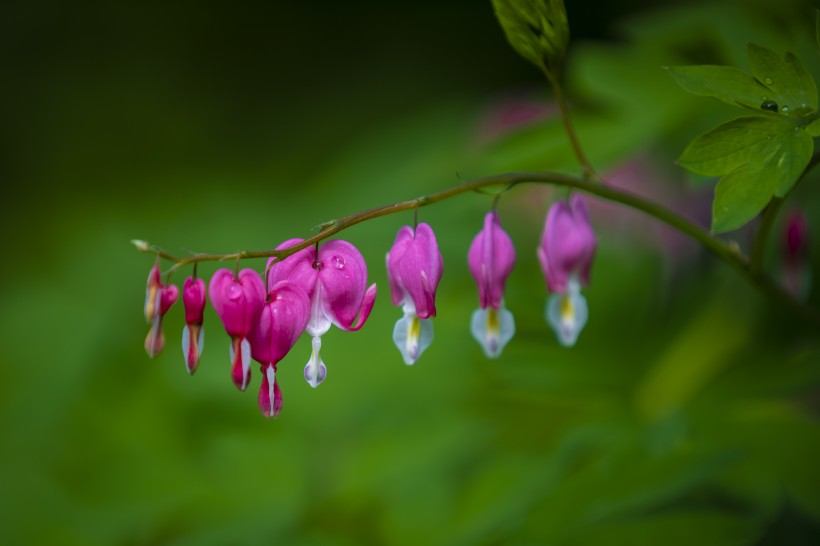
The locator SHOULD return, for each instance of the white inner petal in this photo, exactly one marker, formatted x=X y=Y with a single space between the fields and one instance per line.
x=567 y=315
x=186 y=342
x=246 y=361
x=318 y=323
x=493 y=329
x=271 y=375
x=315 y=369
x=412 y=336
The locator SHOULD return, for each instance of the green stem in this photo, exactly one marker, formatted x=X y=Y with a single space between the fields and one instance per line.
x=589 y=172
x=767 y=221
x=725 y=252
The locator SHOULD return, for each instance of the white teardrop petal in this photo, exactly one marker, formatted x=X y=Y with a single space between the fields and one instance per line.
x=567 y=315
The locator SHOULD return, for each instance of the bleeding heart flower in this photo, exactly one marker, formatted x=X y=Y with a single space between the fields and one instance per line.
x=238 y=302
x=158 y=300
x=566 y=253
x=193 y=297
x=414 y=268
x=335 y=280
x=491 y=259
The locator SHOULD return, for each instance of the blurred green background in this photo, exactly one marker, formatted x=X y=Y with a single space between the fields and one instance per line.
x=687 y=413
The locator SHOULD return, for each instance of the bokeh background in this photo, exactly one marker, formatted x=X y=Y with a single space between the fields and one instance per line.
x=687 y=413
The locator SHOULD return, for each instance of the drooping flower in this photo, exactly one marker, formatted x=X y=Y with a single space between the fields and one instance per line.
x=281 y=322
x=414 y=268
x=238 y=302
x=193 y=297
x=491 y=259
x=566 y=253
x=158 y=300
x=335 y=281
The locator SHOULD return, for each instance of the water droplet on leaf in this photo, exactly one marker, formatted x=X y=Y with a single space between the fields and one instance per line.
x=767 y=81
x=770 y=105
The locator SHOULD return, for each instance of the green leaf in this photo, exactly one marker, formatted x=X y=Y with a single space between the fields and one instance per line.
x=740 y=196
x=813 y=128
x=771 y=169
x=726 y=83
x=537 y=29
x=790 y=84
x=793 y=150
x=731 y=144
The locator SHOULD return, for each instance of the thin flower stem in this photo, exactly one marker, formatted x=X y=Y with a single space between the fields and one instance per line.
x=724 y=251
x=767 y=221
x=589 y=172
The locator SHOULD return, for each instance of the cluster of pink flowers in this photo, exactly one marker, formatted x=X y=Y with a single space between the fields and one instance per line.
x=316 y=288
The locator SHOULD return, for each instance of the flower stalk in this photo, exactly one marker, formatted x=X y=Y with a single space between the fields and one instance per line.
x=721 y=249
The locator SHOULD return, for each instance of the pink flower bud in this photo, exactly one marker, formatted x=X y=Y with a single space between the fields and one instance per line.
x=796 y=237
x=158 y=300
x=193 y=297
x=796 y=270
x=238 y=302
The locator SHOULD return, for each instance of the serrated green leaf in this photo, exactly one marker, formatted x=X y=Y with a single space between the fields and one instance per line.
x=731 y=144
x=771 y=170
x=787 y=79
x=537 y=29
x=726 y=83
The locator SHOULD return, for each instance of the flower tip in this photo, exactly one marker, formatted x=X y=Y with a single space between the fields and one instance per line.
x=315 y=369
x=155 y=340
x=270 y=396
x=141 y=245
x=241 y=363
x=193 y=336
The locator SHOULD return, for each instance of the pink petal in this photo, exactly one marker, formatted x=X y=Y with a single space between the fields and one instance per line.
x=297 y=267
x=343 y=274
x=168 y=298
x=237 y=302
x=281 y=322
x=491 y=259
x=420 y=270
x=568 y=243
x=193 y=298
x=404 y=239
